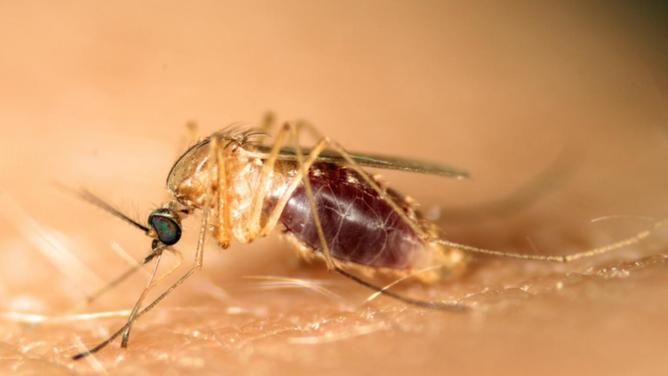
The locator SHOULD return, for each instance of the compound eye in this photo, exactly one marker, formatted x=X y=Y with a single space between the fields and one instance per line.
x=166 y=225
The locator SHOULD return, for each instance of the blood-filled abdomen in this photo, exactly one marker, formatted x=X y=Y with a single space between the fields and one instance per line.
x=358 y=224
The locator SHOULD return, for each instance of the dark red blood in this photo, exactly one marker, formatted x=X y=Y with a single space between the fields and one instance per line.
x=358 y=224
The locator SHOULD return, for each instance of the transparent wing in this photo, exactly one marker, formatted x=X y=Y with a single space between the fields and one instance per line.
x=193 y=157
x=376 y=161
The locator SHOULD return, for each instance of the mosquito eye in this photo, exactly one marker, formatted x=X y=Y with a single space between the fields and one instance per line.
x=166 y=225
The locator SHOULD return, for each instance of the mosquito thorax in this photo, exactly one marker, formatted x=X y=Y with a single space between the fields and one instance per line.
x=166 y=224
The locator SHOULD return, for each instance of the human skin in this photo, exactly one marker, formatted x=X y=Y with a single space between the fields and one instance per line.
x=97 y=96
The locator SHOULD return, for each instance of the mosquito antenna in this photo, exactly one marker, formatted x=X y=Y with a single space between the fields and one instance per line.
x=92 y=199
x=439 y=306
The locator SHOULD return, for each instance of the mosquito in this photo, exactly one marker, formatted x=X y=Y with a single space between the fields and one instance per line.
x=322 y=198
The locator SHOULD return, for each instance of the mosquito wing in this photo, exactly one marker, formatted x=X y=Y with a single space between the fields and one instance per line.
x=193 y=157
x=376 y=161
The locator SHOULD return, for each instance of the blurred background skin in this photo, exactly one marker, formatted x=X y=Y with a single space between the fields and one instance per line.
x=96 y=95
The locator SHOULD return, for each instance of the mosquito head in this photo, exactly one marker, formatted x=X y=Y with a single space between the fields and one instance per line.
x=166 y=224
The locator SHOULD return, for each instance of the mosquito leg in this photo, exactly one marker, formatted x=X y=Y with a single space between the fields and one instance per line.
x=276 y=212
x=331 y=265
x=223 y=229
x=562 y=258
x=153 y=281
x=149 y=307
x=441 y=306
x=267 y=169
x=302 y=175
x=174 y=268
x=140 y=300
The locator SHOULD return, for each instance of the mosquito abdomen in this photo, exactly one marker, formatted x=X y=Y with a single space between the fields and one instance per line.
x=358 y=224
